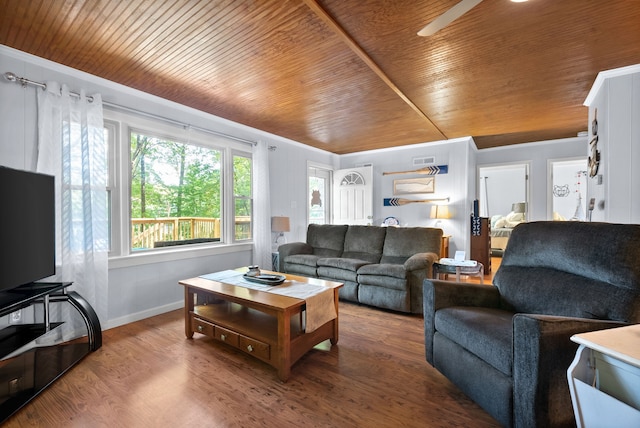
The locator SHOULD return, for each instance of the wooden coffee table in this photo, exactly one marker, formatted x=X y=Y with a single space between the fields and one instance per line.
x=263 y=324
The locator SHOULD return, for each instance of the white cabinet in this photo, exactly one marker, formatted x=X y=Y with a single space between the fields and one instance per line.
x=604 y=378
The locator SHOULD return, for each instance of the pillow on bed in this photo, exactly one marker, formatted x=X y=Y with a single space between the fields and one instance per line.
x=513 y=219
x=502 y=222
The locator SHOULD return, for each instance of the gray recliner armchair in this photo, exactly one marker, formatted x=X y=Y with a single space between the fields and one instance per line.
x=508 y=346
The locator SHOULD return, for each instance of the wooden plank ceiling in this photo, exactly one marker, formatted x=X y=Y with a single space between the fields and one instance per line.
x=347 y=76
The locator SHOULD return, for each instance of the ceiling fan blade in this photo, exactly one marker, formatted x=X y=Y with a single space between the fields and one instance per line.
x=448 y=17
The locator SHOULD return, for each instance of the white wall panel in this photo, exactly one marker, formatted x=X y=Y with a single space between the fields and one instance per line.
x=616 y=96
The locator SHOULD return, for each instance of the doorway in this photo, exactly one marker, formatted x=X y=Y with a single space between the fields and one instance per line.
x=502 y=186
x=568 y=180
x=319 y=196
x=353 y=196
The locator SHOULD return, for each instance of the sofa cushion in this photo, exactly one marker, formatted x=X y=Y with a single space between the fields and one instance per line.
x=342 y=263
x=565 y=246
x=303 y=259
x=539 y=290
x=384 y=270
x=364 y=243
x=485 y=332
x=548 y=269
x=400 y=243
x=349 y=290
x=384 y=281
x=327 y=240
x=384 y=297
x=337 y=274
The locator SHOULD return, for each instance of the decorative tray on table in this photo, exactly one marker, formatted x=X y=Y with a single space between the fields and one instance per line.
x=266 y=279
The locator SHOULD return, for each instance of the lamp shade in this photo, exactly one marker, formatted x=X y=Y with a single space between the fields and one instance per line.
x=279 y=224
x=519 y=207
x=440 y=211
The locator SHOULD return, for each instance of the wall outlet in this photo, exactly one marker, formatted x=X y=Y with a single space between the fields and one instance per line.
x=15 y=317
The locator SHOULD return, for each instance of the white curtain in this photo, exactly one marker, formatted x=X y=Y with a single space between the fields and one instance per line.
x=72 y=148
x=262 y=207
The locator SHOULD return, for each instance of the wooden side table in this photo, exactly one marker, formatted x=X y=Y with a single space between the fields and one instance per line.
x=481 y=241
x=444 y=247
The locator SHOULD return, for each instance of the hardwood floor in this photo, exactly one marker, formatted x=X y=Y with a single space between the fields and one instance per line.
x=147 y=374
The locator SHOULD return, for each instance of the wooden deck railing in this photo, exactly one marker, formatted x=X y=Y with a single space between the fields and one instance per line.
x=145 y=232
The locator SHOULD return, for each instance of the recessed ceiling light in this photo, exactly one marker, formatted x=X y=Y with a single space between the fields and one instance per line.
x=519 y=1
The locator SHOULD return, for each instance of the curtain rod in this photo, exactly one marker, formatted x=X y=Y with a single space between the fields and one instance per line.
x=176 y=122
x=11 y=77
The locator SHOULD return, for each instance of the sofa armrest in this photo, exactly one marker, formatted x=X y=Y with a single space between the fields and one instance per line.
x=542 y=353
x=416 y=269
x=291 y=248
x=420 y=261
x=442 y=294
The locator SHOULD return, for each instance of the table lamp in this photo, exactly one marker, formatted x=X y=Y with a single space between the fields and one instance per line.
x=440 y=212
x=521 y=208
x=280 y=225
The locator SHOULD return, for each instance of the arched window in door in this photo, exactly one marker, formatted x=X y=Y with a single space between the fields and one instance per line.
x=352 y=179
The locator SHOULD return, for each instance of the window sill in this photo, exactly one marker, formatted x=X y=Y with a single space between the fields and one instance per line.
x=173 y=254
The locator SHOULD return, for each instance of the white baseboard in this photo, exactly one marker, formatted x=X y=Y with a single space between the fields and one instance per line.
x=144 y=314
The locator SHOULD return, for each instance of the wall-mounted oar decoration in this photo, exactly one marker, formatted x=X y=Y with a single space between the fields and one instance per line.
x=427 y=170
x=395 y=202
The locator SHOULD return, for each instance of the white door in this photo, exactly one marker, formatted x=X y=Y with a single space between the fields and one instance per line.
x=353 y=196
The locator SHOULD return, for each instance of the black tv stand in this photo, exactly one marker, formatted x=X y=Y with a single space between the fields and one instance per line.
x=24 y=373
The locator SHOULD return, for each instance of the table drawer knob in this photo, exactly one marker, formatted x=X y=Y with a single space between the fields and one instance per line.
x=250 y=348
x=200 y=328
x=223 y=337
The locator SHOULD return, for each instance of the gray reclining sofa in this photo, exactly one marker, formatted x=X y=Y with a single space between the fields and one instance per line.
x=379 y=266
x=508 y=346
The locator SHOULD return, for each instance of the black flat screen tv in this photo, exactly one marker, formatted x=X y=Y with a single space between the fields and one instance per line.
x=27 y=227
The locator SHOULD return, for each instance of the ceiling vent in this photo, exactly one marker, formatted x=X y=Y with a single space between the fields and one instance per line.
x=427 y=160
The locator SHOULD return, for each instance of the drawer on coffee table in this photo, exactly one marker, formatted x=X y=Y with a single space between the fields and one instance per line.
x=254 y=347
x=226 y=336
x=203 y=327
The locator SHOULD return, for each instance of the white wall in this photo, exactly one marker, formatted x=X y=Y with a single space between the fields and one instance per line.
x=537 y=155
x=501 y=187
x=456 y=154
x=616 y=96
x=570 y=189
x=461 y=183
x=288 y=182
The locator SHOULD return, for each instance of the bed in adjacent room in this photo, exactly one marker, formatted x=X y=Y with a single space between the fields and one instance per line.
x=501 y=227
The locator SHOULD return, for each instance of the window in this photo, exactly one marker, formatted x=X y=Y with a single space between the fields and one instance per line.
x=174 y=191
x=243 y=202
x=319 y=180
x=110 y=135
